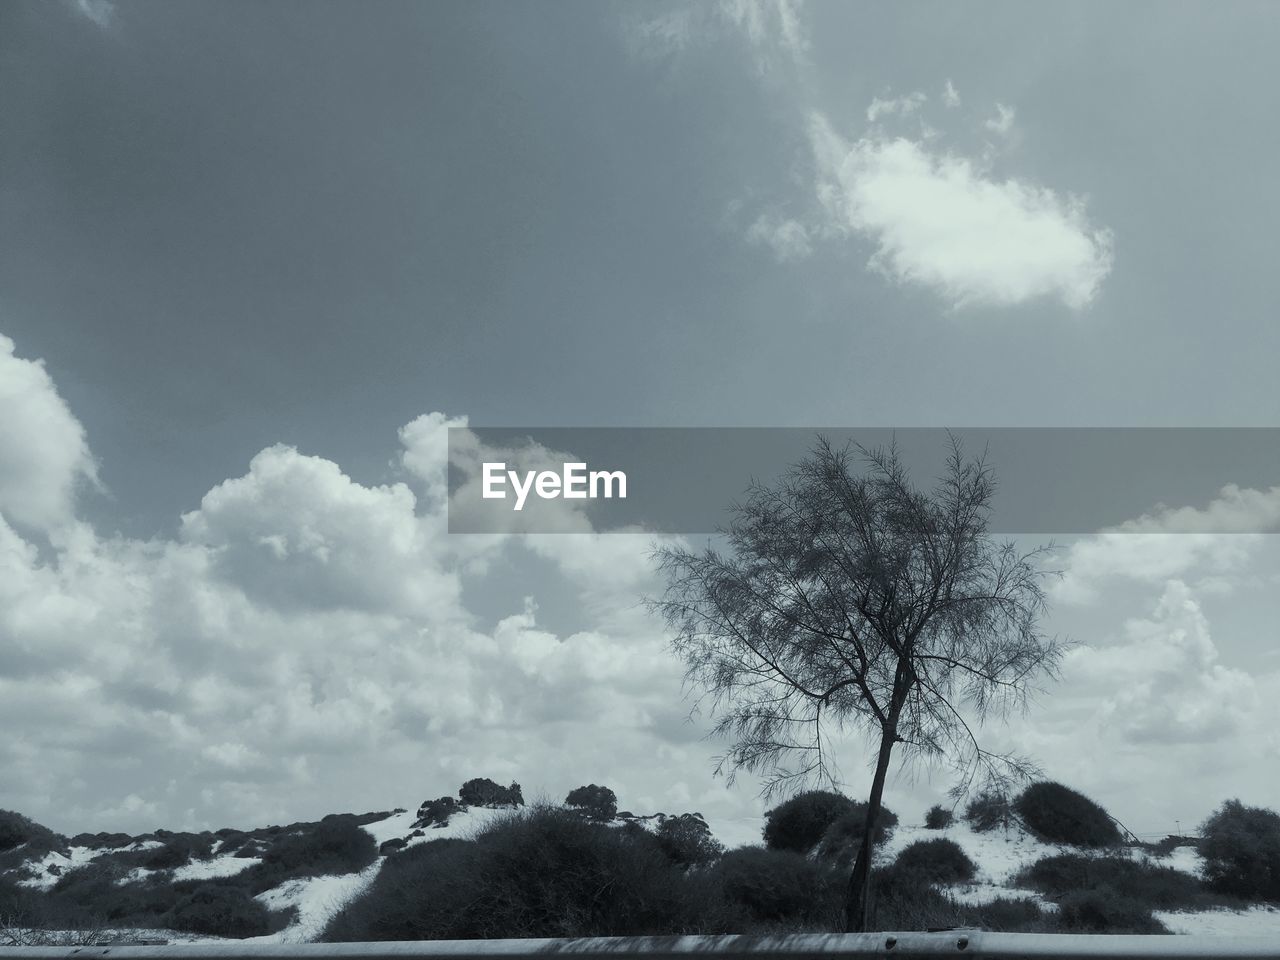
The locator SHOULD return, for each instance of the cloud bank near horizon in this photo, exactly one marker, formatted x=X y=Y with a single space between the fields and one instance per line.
x=308 y=642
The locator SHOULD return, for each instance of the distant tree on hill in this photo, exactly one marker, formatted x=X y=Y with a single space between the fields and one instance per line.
x=483 y=792
x=857 y=600
x=596 y=802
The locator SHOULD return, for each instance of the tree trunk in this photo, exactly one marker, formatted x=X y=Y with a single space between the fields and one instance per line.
x=857 y=914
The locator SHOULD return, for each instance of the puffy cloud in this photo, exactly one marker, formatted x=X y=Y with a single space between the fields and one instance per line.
x=307 y=644
x=950 y=95
x=44 y=456
x=940 y=221
x=1169 y=542
x=1162 y=682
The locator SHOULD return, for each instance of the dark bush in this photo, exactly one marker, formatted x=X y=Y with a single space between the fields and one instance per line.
x=483 y=792
x=905 y=900
x=545 y=872
x=1241 y=848
x=100 y=840
x=780 y=886
x=841 y=840
x=1105 y=910
x=687 y=840
x=15 y=830
x=436 y=812
x=1156 y=887
x=1059 y=814
x=799 y=823
x=938 y=818
x=391 y=846
x=937 y=861
x=1010 y=915
x=596 y=802
x=332 y=846
x=221 y=912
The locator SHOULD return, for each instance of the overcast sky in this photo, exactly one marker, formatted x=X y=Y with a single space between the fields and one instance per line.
x=255 y=259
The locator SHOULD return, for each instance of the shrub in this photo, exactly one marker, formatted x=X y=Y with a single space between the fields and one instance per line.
x=1059 y=814
x=596 y=802
x=779 y=886
x=687 y=840
x=221 y=912
x=989 y=810
x=483 y=792
x=1241 y=848
x=436 y=812
x=937 y=861
x=1105 y=910
x=938 y=818
x=15 y=830
x=332 y=846
x=841 y=840
x=545 y=872
x=1010 y=915
x=1154 y=886
x=799 y=823
x=905 y=900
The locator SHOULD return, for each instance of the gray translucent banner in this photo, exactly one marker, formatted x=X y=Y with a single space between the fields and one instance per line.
x=685 y=479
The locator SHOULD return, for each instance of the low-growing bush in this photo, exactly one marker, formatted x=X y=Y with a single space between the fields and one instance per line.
x=1105 y=910
x=777 y=886
x=938 y=817
x=687 y=840
x=16 y=830
x=221 y=911
x=436 y=812
x=1241 y=848
x=1059 y=814
x=1011 y=915
x=1156 y=887
x=333 y=846
x=594 y=801
x=799 y=823
x=989 y=810
x=905 y=900
x=937 y=861
x=842 y=839
x=543 y=872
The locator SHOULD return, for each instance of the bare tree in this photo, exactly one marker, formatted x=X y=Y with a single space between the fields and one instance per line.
x=855 y=600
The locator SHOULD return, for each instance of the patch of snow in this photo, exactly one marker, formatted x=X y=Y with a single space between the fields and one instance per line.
x=217 y=867
x=396 y=825
x=43 y=878
x=316 y=900
x=1256 y=921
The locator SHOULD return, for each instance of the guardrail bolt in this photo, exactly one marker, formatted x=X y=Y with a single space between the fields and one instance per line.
x=962 y=943
x=890 y=943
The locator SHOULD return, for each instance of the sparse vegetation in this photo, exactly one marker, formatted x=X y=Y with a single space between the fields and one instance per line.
x=989 y=810
x=781 y=887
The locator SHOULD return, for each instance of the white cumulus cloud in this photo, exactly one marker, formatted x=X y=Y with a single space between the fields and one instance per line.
x=940 y=221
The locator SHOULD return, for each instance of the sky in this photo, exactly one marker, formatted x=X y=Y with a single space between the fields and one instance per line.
x=255 y=259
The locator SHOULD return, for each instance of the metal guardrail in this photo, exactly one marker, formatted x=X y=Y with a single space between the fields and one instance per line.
x=854 y=946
